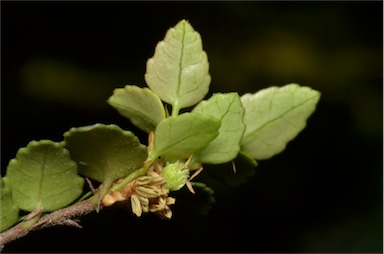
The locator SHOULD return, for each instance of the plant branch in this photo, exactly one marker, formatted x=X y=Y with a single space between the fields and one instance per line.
x=60 y=217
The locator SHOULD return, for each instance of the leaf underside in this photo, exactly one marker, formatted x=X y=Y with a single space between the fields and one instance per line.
x=226 y=108
x=178 y=70
x=274 y=116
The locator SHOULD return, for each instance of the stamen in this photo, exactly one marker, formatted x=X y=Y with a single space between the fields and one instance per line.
x=189 y=186
x=233 y=166
x=136 y=205
x=198 y=171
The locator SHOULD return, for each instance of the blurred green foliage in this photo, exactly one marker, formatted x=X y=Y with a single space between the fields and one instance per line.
x=65 y=83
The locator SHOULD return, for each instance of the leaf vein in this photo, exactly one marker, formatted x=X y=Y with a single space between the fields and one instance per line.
x=256 y=131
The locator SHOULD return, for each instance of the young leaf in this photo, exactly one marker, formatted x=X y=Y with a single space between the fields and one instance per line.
x=226 y=108
x=105 y=152
x=9 y=213
x=274 y=116
x=180 y=136
x=178 y=71
x=143 y=107
x=43 y=176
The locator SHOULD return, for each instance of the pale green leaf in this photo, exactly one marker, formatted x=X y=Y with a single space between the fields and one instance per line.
x=105 y=152
x=178 y=71
x=9 y=212
x=43 y=176
x=274 y=116
x=180 y=136
x=226 y=108
x=143 y=107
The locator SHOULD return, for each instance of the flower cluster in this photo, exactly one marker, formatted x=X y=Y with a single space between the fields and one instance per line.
x=150 y=195
x=147 y=194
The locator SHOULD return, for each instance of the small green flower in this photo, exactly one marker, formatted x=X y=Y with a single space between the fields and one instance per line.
x=176 y=175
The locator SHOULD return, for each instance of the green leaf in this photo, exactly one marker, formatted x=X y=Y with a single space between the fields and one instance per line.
x=201 y=202
x=274 y=116
x=178 y=71
x=143 y=107
x=43 y=176
x=9 y=212
x=180 y=136
x=247 y=158
x=224 y=177
x=226 y=108
x=105 y=152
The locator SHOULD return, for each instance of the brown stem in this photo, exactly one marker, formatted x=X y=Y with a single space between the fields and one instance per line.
x=59 y=217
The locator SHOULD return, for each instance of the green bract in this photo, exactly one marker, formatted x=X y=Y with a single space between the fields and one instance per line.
x=180 y=136
x=178 y=71
x=43 y=176
x=274 y=116
x=140 y=105
x=226 y=108
x=105 y=152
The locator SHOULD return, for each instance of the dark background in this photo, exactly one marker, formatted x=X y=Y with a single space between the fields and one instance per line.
x=60 y=61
